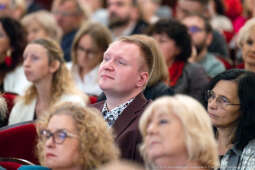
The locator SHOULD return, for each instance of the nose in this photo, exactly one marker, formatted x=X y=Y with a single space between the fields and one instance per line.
x=26 y=62
x=50 y=142
x=212 y=104
x=107 y=65
x=151 y=128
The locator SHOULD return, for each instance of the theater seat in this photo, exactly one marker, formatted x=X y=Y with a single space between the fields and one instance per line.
x=13 y=163
x=19 y=141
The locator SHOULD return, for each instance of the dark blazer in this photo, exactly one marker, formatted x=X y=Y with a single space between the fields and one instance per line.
x=127 y=135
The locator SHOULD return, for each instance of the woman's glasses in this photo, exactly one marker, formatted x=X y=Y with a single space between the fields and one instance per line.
x=221 y=101
x=58 y=137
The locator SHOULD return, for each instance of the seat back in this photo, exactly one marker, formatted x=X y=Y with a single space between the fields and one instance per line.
x=13 y=163
x=19 y=141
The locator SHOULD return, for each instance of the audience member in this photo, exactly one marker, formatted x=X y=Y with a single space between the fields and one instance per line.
x=3 y=111
x=177 y=134
x=201 y=34
x=246 y=41
x=230 y=100
x=184 y=8
x=175 y=43
x=219 y=21
x=125 y=18
x=73 y=137
x=41 y=24
x=157 y=84
x=96 y=10
x=12 y=45
x=51 y=81
x=88 y=48
x=123 y=74
x=69 y=15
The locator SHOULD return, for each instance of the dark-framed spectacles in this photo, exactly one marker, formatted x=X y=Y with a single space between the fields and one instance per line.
x=89 y=52
x=195 y=29
x=221 y=101
x=58 y=136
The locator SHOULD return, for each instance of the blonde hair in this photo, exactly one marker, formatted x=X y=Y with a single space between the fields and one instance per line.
x=159 y=71
x=95 y=137
x=200 y=142
x=46 y=20
x=144 y=43
x=245 y=32
x=61 y=80
x=3 y=108
x=100 y=35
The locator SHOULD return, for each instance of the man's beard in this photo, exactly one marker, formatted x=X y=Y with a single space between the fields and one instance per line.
x=116 y=22
x=200 y=47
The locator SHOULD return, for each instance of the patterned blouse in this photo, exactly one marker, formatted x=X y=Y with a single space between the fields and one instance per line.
x=112 y=115
x=236 y=159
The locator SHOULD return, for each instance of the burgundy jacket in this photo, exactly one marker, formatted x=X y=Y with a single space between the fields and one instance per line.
x=127 y=134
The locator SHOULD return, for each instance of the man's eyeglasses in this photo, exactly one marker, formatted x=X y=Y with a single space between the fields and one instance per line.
x=221 y=101
x=58 y=137
x=195 y=29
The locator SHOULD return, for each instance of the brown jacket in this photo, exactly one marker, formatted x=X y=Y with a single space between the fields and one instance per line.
x=127 y=134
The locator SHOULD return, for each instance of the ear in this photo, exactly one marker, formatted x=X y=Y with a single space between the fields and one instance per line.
x=209 y=39
x=54 y=66
x=143 y=79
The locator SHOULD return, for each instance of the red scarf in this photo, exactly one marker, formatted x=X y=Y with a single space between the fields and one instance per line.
x=175 y=72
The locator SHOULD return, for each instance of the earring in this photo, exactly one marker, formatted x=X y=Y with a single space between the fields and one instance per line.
x=8 y=58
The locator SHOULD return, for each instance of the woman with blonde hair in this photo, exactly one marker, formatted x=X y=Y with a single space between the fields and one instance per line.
x=3 y=111
x=51 y=81
x=177 y=134
x=87 y=52
x=74 y=137
x=41 y=24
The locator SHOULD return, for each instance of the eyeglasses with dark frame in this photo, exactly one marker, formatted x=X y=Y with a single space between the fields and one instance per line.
x=195 y=29
x=58 y=136
x=221 y=101
x=89 y=52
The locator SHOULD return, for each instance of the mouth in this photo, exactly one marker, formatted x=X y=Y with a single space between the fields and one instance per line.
x=104 y=76
x=50 y=155
x=213 y=116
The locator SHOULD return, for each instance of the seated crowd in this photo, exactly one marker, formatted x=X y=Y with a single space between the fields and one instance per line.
x=134 y=84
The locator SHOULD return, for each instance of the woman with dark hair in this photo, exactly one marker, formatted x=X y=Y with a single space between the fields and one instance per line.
x=230 y=100
x=12 y=44
x=175 y=43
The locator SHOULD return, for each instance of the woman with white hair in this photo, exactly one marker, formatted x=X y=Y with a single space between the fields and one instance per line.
x=177 y=134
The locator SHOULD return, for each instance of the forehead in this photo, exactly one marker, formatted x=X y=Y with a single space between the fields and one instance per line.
x=226 y=88
x=61 y=121
x=37 y=48
x=124 y=49
x=5 y=2
x=189 y=5
x=193 y=20
x=120 y=2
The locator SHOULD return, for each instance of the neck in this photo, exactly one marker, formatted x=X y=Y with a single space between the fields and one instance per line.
x=201 y=55
x=170 y=62
x=177 y=163
x=114 y=100
x=118 y=31
x=249 y=67
x=224 y=136
x=43 y=88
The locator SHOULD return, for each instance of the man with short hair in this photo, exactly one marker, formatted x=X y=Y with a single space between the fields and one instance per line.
x=184 y=8
x=69 y=16
x=124 y=18
x=123 y=75
x=201 y=34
